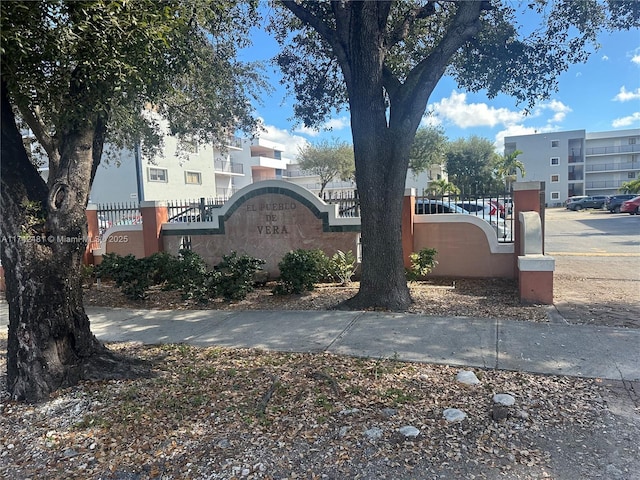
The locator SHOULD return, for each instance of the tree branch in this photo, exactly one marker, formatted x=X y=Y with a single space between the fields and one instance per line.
x=331 y=36
x=402 y=29
x=39 y=130
x=414 y=94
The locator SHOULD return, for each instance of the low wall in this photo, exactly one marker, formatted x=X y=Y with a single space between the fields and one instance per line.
x=123 y=240
x=467 y=246
x=266 y=220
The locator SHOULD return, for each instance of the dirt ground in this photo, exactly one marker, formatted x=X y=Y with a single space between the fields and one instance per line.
x=597 y=301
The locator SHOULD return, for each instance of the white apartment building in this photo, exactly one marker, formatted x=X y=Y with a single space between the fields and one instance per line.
x=184 y=171
x=180 y=171
x=578 y=162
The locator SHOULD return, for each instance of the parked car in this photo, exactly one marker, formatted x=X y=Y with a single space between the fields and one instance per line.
x=631 y=206
x=192 y=214
x=103 y=223
x=575 y=198
x=497 y=204
x=614 y=202
x=426 y=206
x=596 y=201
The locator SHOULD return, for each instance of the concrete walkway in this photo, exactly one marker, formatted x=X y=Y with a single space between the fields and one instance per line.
x=551 y=348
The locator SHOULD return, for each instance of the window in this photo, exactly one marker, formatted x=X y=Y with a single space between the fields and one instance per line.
x=555 y=143
x=555 y=161
x=555 y=178
x=555 y=195
x=193 y=178
x=631 y=175
x=632 y=141
x=158 y=175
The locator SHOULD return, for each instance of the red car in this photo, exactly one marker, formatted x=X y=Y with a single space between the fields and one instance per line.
x=631 y=206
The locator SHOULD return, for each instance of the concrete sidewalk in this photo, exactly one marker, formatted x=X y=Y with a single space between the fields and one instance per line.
x=550 y=348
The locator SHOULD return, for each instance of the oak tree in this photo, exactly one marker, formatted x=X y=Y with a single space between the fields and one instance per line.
x=76 y=74
x=383 y=59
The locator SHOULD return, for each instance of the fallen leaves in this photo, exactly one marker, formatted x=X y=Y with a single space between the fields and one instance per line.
x=237 y=413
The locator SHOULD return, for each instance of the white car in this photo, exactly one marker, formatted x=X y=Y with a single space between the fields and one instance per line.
x=478 y=209
x=103 y=223
x=488 y=211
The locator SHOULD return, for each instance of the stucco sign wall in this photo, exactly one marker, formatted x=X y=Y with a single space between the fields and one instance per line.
x=267 y=220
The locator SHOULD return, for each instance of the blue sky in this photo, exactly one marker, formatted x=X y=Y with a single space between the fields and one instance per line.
x=602 y=94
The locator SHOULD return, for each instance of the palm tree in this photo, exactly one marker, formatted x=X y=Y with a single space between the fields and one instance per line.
x=631 y=187
x=507 y=167
x=441 y=187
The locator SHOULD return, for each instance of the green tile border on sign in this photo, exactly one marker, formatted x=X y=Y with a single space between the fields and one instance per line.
x=323 y=216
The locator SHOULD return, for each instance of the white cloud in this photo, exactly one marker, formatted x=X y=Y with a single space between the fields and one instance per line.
x=311 y=132
x=519 y=129
x=290 y=141
x=636 y=59
x=466 y=115
x=605 y=58
x=558 y=108
x=332 y=124
x=624 y=96
x=337 y=123
x=626 y=121
x=635 y=56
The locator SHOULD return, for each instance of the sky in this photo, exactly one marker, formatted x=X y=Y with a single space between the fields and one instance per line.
x=600 y=95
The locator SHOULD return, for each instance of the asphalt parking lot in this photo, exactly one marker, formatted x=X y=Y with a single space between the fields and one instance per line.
x=594 y=243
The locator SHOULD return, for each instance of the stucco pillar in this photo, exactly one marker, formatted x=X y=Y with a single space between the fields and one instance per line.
x=526 y=198
x=535 y=270
x=93 y=234
x=154 y=214
x=408 y=214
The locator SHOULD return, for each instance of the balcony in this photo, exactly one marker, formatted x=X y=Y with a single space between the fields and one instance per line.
x=234 y=142
x=227 y=167
x=225 y=193
x=613 y=150
x=604 y=184
x=612 y=167
x=297 y=173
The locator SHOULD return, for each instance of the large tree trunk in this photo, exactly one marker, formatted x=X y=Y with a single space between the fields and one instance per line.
x=50 y=344
x=382 y=158
x=381 y=186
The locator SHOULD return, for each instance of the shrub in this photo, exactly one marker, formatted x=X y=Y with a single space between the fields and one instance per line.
x=300 y=270
x=343 y=266
x=422 y=263
x=130 y=274
x=236 y=275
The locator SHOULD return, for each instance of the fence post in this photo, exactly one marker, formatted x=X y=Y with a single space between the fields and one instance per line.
x=154 y=214
x=534 y=269
x=408 y=214
x=93 y=234
x=526 y=198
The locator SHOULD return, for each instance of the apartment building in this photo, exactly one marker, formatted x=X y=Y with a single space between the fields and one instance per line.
x=261 y=160
x=181 y=170
x=577 y=162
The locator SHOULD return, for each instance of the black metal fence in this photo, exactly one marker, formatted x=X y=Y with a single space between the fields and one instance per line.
x=200 y=210
x=118 y=213
x=495 y=207
x=347 y=200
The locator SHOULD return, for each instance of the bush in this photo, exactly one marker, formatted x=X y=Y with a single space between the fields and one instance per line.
x=343 y=266
x=130 y=274
x=236 y=275
x=232 y=278
x=300 y=270
x=422 y=263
